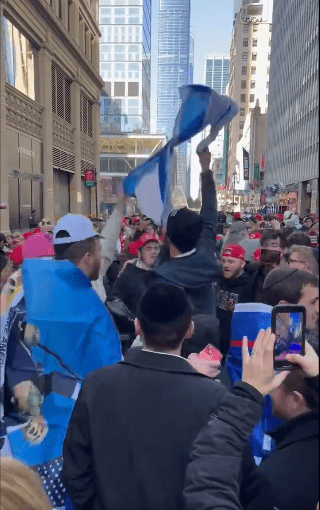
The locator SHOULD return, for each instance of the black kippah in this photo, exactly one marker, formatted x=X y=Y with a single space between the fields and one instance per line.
x=163 y=303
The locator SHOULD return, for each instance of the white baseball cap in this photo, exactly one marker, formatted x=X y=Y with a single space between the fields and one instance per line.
x=73 y=228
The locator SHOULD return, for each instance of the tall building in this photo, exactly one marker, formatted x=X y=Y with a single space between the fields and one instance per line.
x=292 y=127
x=125 y=67
x=49 y=108
x=173 y=72
x=249 y=72
x=217 y=77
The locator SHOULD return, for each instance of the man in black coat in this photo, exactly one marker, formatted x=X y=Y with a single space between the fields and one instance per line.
x=235 y=286
x=192 y=242
x=133 y=425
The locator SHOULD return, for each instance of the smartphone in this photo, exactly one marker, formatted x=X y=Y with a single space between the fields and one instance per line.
x=288 y=323
x=270 y=257
x=210 y=353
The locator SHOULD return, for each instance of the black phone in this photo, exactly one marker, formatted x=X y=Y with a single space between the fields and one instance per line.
x=288 y=323
x=270 y=257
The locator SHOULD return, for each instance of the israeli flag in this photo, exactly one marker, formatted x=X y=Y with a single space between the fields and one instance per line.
x=150 y=181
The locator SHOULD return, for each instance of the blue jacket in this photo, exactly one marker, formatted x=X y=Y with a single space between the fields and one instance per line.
x=76 y=336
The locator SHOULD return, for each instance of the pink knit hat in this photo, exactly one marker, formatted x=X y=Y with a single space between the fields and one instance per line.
x=38 y=245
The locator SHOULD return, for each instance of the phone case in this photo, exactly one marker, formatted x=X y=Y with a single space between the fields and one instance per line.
x=210 y=353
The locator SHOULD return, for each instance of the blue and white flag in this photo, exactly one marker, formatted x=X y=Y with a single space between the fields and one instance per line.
x=150 y=181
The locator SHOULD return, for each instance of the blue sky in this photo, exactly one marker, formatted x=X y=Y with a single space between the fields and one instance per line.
x=211 y=25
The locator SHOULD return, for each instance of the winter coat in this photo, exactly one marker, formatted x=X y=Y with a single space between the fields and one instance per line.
x=231 y=292
x=197 y=271
x=289 y=478
x=131 y=432
x=212 y=477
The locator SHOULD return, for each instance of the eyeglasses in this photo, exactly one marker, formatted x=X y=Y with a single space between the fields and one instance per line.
x=297 y=261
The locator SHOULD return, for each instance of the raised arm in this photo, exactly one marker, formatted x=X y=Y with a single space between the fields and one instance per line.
x=208 y=212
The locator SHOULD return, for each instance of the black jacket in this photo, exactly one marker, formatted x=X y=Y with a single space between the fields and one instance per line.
x=212 y=477
x=197 y=271
x=231 y=292
x=131 y=432
x=289 y=478
x=131 y=284
x=259 y=274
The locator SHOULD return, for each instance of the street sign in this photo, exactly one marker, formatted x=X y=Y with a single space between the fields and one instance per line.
x=89 y=178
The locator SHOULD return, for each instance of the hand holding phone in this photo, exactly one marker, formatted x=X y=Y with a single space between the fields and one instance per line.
x=288 y=323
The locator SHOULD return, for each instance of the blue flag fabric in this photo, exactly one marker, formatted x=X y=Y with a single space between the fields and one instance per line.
x=150 y=181
x=248 y=319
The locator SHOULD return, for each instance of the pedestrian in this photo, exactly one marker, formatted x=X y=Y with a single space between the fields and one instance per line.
x=298 y=238
x=212 y=479
x=133 y=425
x=191 y=237
x=308 y=222
x=32 y=220
x=302 y=257
x=75 y=334
x=235 y=286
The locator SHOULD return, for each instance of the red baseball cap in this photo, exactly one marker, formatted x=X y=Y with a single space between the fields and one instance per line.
x=257 y=255
x=237 y=215
x=235 y=251
x=279 y=217
x=255 y=235
x=258 y=217
x=146 y=238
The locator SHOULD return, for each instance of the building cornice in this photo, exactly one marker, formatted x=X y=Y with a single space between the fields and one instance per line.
x=62 y=33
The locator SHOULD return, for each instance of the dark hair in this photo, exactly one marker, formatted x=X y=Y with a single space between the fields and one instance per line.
x=2 y=238
x=269 y=234
x=164 y=314
x=295 y=381
x=286 y=285
x=299 y=238
x=284 y=234
x=74 y=252
x=3 y=262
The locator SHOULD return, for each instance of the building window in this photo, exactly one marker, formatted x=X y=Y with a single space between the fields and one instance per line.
x=245 y=42
x=253 y=70
x=251 y=98
x=242 y=112
x=85 y=116
x=254 y=42
x=19 y=57
x=240 y=136
x=245 y=56
x=243 y=98
x=252 y=84
x=133 y=89
x=245 y=28
x=119 y=89
x=255 y=28
x=241 y=124
x=61 y=94
x=270 y=28
x=254 y=56
x=244 y=70
x=243 y=84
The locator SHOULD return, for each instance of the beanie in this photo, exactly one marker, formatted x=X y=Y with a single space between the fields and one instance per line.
x=184 y=228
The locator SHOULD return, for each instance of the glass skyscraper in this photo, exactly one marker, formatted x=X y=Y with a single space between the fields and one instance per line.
x=125 y=53
x=174 y=70
x=217 y=72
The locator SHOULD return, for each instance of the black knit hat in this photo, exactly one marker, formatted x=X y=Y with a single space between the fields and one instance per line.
x=184 y=229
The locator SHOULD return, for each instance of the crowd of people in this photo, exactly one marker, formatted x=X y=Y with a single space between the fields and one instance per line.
x=107 y=399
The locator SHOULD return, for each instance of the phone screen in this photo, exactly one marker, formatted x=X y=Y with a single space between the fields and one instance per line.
x=289 y=331
x=270 y=257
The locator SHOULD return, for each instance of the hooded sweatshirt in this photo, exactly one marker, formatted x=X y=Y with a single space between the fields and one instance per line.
x=197 y=270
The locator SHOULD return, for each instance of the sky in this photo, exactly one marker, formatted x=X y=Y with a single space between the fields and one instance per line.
x=211 y=25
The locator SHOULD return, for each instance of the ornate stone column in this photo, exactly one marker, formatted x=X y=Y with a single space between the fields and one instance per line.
x=4 y=188
x=45 y=99
x=75 y=185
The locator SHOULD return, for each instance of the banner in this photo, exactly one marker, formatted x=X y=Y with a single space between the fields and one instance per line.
x=245 y=165
x=256 y=172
